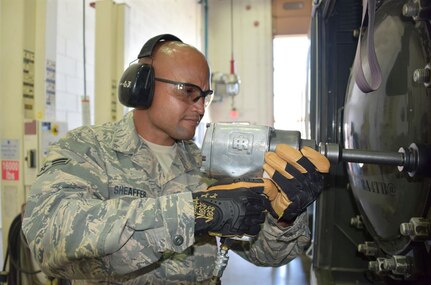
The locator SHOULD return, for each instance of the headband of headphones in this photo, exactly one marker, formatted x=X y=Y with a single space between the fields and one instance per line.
x=136 y=87
x=147 y=49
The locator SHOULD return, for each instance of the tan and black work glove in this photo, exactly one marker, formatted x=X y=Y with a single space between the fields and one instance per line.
x=228 y=209
x=299 y=174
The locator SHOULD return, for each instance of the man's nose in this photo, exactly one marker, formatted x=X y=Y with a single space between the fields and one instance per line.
x=199 y=105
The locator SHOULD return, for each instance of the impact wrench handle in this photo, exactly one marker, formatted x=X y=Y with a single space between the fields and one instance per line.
x=221 y=261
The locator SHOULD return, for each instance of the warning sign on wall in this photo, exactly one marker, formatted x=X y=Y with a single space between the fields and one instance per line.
x=10 y=170
x=9 y=152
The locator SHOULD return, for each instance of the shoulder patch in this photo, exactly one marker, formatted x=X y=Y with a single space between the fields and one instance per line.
x=47 y=165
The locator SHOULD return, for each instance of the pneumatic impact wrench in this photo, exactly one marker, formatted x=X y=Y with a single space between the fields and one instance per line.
x=232 y=150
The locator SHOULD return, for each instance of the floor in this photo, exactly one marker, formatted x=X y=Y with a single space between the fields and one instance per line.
x=298 y=272
x=239 y=271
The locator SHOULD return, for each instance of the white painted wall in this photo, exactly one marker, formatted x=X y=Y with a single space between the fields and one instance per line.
x=253 y=56
x=147 y=18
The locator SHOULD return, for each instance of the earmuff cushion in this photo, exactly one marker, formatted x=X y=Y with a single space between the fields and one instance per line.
x=136 y=86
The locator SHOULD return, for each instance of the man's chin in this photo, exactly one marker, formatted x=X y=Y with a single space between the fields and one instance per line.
x=185 y=135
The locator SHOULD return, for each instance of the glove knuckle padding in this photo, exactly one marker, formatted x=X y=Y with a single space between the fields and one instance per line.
x=320 y=162
x=290 y=155
x=236 y=212
x=277 y=163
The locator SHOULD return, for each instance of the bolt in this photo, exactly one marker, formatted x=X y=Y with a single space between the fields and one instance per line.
x=368 y=248
x=389 y=264
x=373 y=266
x=418 y=229
x=377 y=266
x=397 y=264
x=406 y=229
x=410 y=10
x=422 y=75
x=357 y=222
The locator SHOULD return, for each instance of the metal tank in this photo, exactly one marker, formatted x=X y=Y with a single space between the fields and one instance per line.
x=395 y=115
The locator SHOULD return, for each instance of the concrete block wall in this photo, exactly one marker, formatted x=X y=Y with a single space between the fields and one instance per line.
x=152 y=17
x=70 y=57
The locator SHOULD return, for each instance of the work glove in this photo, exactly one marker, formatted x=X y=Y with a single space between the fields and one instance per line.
x=230 y=209
x=299 y=175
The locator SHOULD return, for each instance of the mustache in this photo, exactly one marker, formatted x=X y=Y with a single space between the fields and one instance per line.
x=197 y=117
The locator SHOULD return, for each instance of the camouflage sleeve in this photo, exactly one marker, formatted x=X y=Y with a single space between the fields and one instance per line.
x=74 y=232
x=276 y=246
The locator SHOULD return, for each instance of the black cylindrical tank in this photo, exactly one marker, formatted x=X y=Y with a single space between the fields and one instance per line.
x=397 y=114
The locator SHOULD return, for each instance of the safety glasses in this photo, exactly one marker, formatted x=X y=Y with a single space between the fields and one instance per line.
x=191 y=93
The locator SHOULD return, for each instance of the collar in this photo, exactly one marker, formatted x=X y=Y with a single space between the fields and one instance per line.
x=126 y=139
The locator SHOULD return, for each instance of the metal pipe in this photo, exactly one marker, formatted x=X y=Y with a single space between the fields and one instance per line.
x=336 y=154
x=374 y=157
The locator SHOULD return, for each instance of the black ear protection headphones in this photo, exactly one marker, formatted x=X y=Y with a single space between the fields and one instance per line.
x=136 y=87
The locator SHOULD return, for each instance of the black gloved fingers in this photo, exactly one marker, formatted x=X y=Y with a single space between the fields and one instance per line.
x=294 y=159
x=286 y=185
x=253 y=230
x=306 y=163
x=259 y=202
x=318 y=161
x=302 y=201
x=300 y=182
x=253 y=221
x=273 y=161
x=291 y=213
x=290 y=155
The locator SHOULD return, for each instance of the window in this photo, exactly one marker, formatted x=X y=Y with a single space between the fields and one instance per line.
x=290 y=81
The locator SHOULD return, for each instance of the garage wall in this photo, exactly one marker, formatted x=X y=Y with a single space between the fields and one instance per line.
x=252 y=49
x=146 y=19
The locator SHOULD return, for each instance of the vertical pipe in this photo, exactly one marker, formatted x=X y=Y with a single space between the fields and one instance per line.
x=206 y=27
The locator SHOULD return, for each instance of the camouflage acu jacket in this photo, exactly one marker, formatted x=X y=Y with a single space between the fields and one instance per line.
x=101 y=211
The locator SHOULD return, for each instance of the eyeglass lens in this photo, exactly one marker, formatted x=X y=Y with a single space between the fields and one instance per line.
x=189 y=91
x=194 y=93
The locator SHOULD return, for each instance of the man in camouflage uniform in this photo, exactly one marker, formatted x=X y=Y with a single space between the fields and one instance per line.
x=125 y=202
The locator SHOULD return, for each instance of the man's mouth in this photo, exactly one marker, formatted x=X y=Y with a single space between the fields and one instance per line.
x=196 y=119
